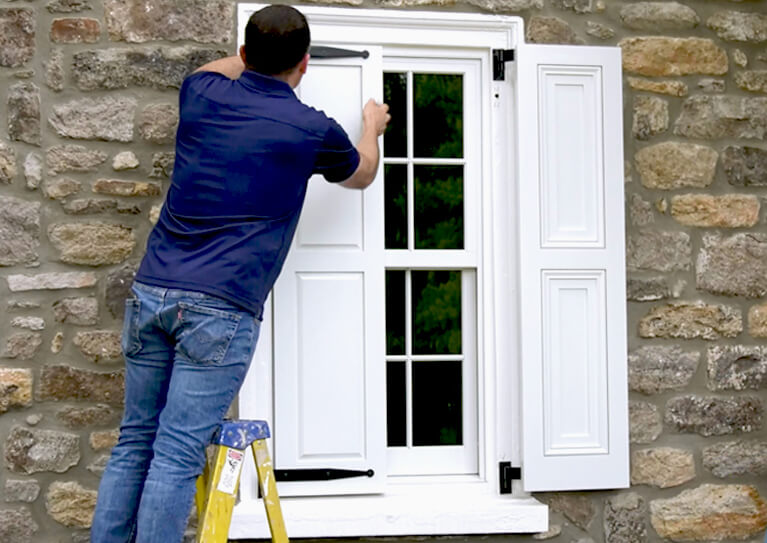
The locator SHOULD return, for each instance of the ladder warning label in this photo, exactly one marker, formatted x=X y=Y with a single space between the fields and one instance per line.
x=230 y=471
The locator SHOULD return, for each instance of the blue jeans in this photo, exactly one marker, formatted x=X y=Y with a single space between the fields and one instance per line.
x=186 y=355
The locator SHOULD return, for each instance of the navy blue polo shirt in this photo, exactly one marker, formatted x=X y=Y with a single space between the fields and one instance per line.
x=245 y=150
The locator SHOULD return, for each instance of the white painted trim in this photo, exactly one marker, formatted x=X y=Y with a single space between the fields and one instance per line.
x=344 y=516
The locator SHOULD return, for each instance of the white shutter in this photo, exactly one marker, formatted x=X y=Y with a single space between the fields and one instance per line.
x=574 y=384
x=329 y=337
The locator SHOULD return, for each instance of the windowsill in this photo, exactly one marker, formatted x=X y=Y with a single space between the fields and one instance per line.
x=449 y=513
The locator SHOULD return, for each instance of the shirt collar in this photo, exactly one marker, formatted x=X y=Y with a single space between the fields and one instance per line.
x=265 y=83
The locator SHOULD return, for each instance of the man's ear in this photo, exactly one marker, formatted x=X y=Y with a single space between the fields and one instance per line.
x=304 y=64
x=242 y=55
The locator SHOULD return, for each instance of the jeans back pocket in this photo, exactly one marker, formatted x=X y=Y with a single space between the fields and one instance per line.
x=205 y=333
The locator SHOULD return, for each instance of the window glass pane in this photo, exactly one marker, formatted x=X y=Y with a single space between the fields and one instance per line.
x=437 y=412
x=395 y=206
x=436 y=312
x=438 y=207
x=395 y=94
x=395 y=312
x=396 y=404
x=438 y=115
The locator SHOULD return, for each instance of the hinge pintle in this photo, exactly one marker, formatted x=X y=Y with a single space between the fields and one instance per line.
x=500 y=58
x=507 y=474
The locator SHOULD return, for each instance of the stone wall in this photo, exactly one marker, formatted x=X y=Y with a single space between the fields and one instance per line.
x=88 y=112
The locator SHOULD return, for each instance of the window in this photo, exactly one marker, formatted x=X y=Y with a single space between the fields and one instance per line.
x=423 y=330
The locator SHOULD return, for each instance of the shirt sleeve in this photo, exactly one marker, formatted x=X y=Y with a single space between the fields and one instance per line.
x=205 y=83
x=337 y=158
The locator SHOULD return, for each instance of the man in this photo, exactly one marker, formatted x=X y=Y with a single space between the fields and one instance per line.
x=245 y=148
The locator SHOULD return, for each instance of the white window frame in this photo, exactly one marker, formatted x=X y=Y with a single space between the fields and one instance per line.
x=431 y=505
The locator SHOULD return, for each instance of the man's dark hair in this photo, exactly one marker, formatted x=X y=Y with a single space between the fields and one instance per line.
x=276 y=39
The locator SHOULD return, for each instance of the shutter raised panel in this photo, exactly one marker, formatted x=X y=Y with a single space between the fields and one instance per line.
x=329 y=342
x=574 y=367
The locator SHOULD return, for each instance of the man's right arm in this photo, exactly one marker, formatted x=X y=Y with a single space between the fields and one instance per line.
x=375 y=117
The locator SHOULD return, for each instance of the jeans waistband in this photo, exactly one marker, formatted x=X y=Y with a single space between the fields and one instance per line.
x=164 y=292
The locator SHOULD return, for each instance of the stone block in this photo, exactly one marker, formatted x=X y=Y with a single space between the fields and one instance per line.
x=577 y=508
x=710 y=513
x=752 y=80
x=28 y=323
x=70 y=504
x=734 y=265
x=663 y=467
x=712 y=86
x=99 y=345
x=659 y=56
x=719 y=117
x=728 y=458
x=19 y=231
x=104 y=439
x=68 y=6
x=82 y=310
x=8 y=169
x=745 y=166
x=51 y=281
x=125 y=160
x=659 y=251
x=707 y=210
x=81 y=417
x=60 y=188
x=624 y=519
x=15 y=388
x=108 y=118
x=158 y=67
x=737 y=367
x=158 y=123
x=24 y=113
x=117 y=187
x=33 y=170
x=17 y=36
x=22 y=345
x=645 y=422
x=655 y=16
x=690 y=320
x=757 y=320
x=650 y=117
x=669 y=87
x=98 y=466
x=542 y=29
x=90 y=206
x=660 y=368
x=673 y=165
x=138 y=21
x=57 y=343
x=640 y=211
x=92 y=244
x=599 y=30
x=54 y=69
x=162 y=165
x=647 y=289
x=75 y=30
x=739 y=26
x=21 y=490
x=65 y=383
x=18 y=526
x=29 y=450
x=73 y=158
x=118 y=285
x=713 y=415
x=154 y=213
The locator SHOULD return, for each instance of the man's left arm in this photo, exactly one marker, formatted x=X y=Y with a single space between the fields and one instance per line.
x=232 y=67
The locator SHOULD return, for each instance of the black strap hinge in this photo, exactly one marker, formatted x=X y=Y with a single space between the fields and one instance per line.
x=507 y=474
x=500 y=58
x=321 y=51
x=320 y=474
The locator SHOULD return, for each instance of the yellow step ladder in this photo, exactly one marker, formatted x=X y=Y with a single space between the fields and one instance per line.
x=216 y=491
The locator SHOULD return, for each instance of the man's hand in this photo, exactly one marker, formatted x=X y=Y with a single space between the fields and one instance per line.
x=375 y=117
